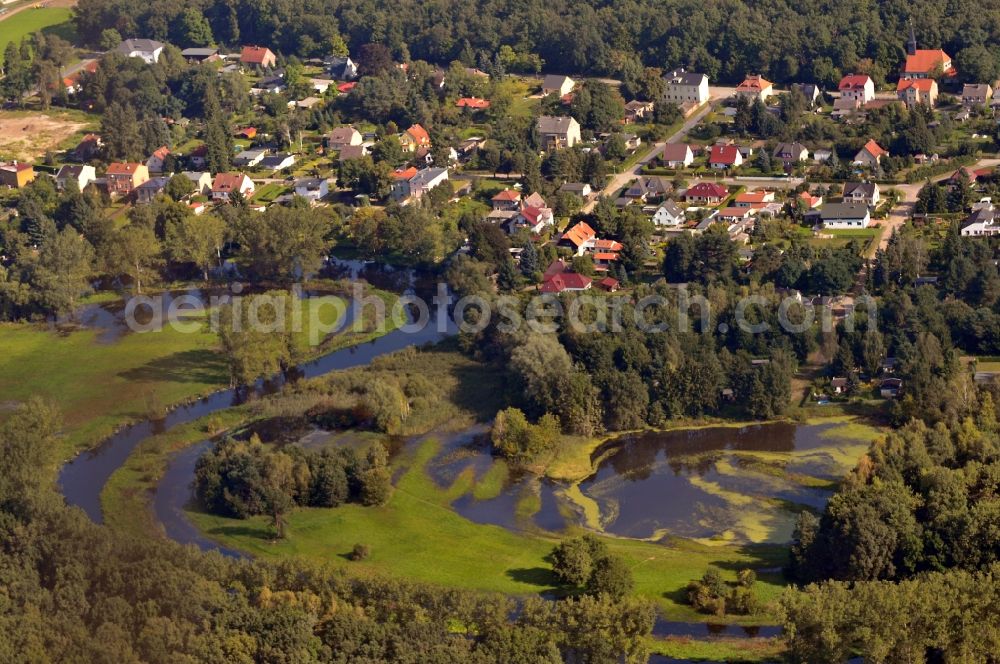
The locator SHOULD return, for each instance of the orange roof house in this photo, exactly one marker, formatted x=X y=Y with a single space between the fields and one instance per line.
x=923 y=63
x=258 y=56
x=228 y=183
x=247 y=132
x=123 y=177
x=755 y=86
x=580 y=237
x=915 y=91
x=870 y=154
x=473 y=103
x=404 y=173
x=415 y=137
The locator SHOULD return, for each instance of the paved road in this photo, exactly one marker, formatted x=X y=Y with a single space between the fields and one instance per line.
x=619 y=180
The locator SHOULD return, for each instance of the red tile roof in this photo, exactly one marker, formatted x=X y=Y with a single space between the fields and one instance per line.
x=122 y=168
x=753 y=197
x=580 y=234
x=608 y=245
x=346 y=87
x=532 y=214
x=565 y=281
x=225 y=182
x=675 y=151
x=924 y=61
x=419 y=135
x=254 y=55
x=404 y=173
x=161 y=152
x=508 y=195
x=754 y=83
x=853 y=82
x=922 y=84
x=724 y=154
x=472 y=102
x=874 y=149
x=707 y=190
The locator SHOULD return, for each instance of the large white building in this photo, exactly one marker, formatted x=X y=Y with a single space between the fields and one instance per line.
x=147 y=49
x=845 y=215
x=685 y=86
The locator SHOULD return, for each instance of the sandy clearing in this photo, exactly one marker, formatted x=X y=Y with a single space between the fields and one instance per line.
x=29 y=136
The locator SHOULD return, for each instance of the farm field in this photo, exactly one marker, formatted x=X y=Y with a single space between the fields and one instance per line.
x=51 y=20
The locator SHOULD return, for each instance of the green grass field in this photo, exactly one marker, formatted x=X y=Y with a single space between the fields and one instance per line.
x=51 y=20
x=130 y=378
x=418 y=536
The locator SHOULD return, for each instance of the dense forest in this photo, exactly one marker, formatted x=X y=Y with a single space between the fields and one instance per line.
x=726 y=39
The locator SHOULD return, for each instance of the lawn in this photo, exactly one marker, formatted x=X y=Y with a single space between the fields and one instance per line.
x=129 y=378
x=51 y=20
x=417 y=536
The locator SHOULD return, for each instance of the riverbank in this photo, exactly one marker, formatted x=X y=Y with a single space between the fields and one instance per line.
x=130 y=376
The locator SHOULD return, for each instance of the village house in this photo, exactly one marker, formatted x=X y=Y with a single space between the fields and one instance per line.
x=417 y=186
x=415 y=137
x=859 y=88
x=558 y=131
x=146 y=192
x=870 y=154
x=976 y=94
x=249 y=133
x=862 y=192
x=755 y=87
x=258 y=56
x=88 y=148
x=753 y=199
x=250 y=158
x=915 y=91
x=123 y=177
x=313 y=189
x=927 y=63
x=790 y=154
x=706 y=193
x=810 y=91
x=638 y=110
x=554 y=84
x=534 y=199
x=226 y=184
x=558 y=279
x=580 y=238
x=677 y=155
x=341 y=67
x=536 y=219
x=349 y=152
x=669 y=215
x=508 y=199
x=810 y=201
x=16 y=174
x=202 y=181
x=81 y=174
x=157 y=160
x=472 y=103
x=277 y=162
x=682 y=86
x=845 y=215
x=196 y=55
x=342 y=137
x=725 y=156
x=983 y=222
x=890 y=388
x=146 y=49
x=320 y=85
x=735 y=214
x=269 y=84
x=581 y=189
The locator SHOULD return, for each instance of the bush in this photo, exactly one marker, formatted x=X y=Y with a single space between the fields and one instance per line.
x=710 y=594
x=359 y=552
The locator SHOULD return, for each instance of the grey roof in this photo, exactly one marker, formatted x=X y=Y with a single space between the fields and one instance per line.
x=975 y=89
x=275 y=160
x=794 y=149
x=155 y=184
x=672 y=208
x=426 y=175
x=70 y=171
x=141 y=45
x=351 y=152
x=683 y=77
x=554 y=124
x=309 y=183
x=199 y=52
x=866 y=189
x=844 y=211
x=553 y=81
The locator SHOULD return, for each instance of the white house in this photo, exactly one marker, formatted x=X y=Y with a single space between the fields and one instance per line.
x=685 y=86
x=859 y=88
x=418 y=185
x=278 y=162
x=669 y=214
x=312 y=188
x=558 y=131
x=82 y=174
x=862 y=192
x=202 y=181
x=845 y=215
x=677 y=155
x=147 y=49
x=536 y=218
x=249 y=158
x=983 y=220
x=553 y=84
x=157 y=160
x=227 y=183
